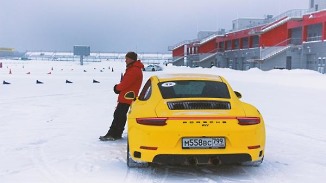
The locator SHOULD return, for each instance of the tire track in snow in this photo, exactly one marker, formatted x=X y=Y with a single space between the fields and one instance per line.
x=41 y=162
x=146 y=175
x=293 y=132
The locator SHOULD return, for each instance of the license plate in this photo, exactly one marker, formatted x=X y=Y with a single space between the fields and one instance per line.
x=203 y=143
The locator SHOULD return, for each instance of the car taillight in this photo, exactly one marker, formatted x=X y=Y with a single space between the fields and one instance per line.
x=152 y=121
x=248 y=120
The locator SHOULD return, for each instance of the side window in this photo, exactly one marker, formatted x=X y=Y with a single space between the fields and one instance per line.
x=146 y=92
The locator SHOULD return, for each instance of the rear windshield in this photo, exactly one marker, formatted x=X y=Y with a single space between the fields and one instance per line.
x=193 y=89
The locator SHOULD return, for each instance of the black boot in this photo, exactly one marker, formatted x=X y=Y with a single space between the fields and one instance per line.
x=109 y=138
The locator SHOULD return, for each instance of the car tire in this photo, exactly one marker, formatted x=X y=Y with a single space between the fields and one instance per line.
x=153 y=69
x=133 y=164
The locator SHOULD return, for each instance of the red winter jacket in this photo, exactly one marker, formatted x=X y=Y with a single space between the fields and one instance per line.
x=131 y=82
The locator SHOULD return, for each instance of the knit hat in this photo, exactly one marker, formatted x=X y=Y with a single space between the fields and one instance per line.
x=132 y=55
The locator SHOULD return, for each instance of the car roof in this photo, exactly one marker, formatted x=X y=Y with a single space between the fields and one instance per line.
x=189 y=76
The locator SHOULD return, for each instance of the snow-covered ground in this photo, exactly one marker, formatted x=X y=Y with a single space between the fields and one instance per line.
x=49 y=132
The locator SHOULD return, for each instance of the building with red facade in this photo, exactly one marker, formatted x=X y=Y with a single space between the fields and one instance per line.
x=292 y=40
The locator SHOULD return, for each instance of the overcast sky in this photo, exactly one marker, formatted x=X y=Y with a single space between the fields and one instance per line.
x=123 y=25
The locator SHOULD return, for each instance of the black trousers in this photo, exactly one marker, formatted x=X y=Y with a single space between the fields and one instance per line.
x=119 y=120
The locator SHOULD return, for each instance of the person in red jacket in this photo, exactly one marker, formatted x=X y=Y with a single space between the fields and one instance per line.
x=128 y=90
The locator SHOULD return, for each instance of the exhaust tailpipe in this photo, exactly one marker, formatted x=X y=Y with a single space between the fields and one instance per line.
x=215 y=161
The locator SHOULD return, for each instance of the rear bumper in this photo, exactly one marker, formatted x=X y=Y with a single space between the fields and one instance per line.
x=188 y=159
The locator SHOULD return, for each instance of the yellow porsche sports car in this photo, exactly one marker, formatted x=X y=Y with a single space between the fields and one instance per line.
x=191 y=119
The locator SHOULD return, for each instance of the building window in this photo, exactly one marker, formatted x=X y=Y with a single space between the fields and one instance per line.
x=312 y=3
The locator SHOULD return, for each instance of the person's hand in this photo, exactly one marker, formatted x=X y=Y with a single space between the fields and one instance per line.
x=115 y=89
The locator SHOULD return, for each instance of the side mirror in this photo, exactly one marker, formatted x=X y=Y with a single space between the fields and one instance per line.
x=238 y=94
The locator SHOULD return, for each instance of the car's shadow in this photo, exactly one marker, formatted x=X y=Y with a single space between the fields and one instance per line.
x=198 y=173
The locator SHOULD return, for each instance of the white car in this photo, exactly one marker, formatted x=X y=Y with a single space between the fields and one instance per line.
x=153 y=68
